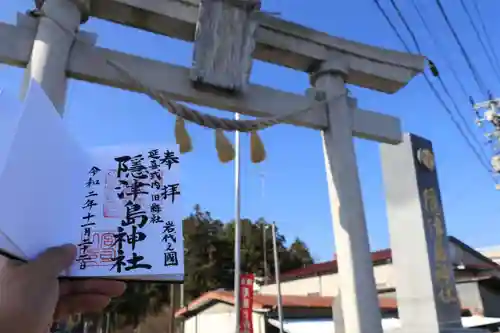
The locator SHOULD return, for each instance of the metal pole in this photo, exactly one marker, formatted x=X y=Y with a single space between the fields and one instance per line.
x=237 y=227
x=266 y=274
x=108 y=319
x=264 y=238
x=181 y=305
x=171 y=326
x=277 y=278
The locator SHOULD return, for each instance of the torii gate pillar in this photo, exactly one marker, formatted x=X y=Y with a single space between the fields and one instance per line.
x=359 y=300
x=52 y=47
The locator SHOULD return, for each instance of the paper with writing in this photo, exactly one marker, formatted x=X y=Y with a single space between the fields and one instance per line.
x=56 y=192
x=134 y=216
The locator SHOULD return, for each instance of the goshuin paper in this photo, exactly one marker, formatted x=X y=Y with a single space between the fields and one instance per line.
x=129 y=221
x=119 y=205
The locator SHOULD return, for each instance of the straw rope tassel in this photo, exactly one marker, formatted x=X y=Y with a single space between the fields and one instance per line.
x=257 y=149
x=225 y=149
x=182 y=136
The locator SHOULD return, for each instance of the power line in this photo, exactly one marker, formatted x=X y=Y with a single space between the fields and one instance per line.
x=443 y=52
x=487 y=50
x=431 y=85
x=480 y=38
x=486 y=34
x=446 y=90
x=450 y=66
x=477 y=78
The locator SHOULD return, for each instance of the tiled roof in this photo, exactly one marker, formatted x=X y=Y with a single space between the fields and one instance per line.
x=265 y=301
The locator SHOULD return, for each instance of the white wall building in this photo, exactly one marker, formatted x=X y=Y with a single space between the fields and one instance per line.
x=477 y=278
x=214 y=312
x=308 y=295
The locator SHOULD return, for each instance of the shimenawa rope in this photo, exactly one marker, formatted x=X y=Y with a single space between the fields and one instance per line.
x=182 y=112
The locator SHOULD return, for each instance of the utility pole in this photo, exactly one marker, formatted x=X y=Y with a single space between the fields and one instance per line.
x=277 y=278
x=490 y=115
x=264 y=228
x=264 y=245
x=490 y=112
x=237 y=228
x=171 y=324
x=181 y=305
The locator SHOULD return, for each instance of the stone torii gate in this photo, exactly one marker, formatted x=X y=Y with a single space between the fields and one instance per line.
x=52 y=55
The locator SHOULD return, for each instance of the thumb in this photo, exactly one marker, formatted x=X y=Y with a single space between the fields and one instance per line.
x=54 y=260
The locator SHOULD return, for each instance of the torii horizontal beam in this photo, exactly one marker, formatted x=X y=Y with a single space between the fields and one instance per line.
x=89 y=63
x=278 y=41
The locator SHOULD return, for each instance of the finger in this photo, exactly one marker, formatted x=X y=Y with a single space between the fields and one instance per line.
x=53 y=261
x=109 y=288
x=88 y=303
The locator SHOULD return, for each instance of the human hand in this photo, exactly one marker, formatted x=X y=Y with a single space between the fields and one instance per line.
x=32 y=296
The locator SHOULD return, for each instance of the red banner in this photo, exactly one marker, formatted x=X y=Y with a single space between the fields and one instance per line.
x=246 y=305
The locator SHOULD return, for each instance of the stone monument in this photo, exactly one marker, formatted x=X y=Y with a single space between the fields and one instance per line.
x=424 y=277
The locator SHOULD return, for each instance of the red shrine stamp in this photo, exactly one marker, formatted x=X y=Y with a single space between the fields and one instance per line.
x=114 y=206
x=102 y=251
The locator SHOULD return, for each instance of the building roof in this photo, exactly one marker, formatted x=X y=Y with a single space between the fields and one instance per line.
x=269 y=302
x=329 y=267
x=379 y=257
x=488 y=262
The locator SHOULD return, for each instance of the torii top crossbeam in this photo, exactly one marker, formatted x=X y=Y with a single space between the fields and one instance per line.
x=278 y=41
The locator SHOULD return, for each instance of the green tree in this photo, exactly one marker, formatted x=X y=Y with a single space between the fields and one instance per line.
x=206 y=253
x=209 y=265
x=210 y=252
x=300 y=252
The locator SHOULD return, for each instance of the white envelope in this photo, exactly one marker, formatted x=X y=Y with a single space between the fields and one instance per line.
x=10 y=114
x=38 y=175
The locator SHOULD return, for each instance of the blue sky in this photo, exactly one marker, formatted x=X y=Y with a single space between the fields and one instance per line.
x=295 y=193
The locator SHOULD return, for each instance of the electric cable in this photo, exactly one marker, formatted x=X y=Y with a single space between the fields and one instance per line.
x=419 y=49
x=448 y=64
x=438 y=46
x=446 y=90
x=480 y=38
x=475 y=74
x=433 y=88
x=486 y=34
